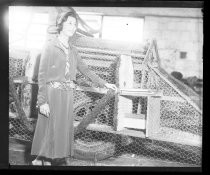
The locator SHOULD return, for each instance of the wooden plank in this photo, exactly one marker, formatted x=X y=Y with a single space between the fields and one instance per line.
x=131 y=132
x=146 y=58
x=126 y=72
x=124 y=106
x=156 y=54
x=139 y=92
x=153 y=116
x=177 y=136
x=110 y=52
x=97 y=56
x=92 y=89
x=122 y=91
x=90 y=118
x=23 y=79
x=135 y=123
x=96 y=127
x=143 y=77
x=126 y=79
x=189 y=9
x=109 y=129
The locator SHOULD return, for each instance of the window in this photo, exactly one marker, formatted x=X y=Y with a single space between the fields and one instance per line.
x=183 y=55
x=27 y=29
x=37 y=32
x=123 y=28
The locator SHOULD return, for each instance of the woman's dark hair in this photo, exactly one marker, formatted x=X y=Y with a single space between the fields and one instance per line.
x=62 y=17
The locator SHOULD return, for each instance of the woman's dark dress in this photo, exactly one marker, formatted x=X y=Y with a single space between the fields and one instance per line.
x=54 y=135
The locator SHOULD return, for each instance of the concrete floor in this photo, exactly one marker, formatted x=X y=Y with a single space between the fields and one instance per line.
x=19 y=154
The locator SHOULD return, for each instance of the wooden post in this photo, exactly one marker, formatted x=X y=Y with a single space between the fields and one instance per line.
x=126 y=79
x=153 y=115
x=126 y=72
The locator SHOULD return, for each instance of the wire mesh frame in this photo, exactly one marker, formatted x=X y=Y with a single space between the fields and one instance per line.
x=192 y=154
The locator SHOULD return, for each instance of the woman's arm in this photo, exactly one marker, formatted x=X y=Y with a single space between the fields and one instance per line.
x=83 y=68
x=42 y=76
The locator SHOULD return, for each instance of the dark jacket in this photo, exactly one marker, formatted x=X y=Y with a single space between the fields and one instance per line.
x=52 y=68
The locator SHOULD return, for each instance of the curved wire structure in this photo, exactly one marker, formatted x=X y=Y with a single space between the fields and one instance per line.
x=180 y=133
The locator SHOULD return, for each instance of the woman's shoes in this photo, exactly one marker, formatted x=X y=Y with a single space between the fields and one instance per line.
x=41 y=162
x=37 y=162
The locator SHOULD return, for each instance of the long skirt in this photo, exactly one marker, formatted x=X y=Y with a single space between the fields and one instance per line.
x=54 y=135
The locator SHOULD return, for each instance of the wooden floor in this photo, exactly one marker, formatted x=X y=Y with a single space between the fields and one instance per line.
x=19 y=154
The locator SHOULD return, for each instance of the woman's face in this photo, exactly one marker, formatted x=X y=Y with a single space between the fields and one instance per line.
x=69 y=26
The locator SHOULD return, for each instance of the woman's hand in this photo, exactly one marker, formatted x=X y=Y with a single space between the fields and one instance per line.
x=111 y=86
x=45 y=109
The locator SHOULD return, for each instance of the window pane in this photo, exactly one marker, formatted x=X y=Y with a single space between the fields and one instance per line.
x=18 y=22
x=123 y=29
x=27 y=29
x=37 y=29
x=37 y=43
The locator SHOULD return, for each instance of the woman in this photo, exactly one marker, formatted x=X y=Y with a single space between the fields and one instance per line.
x=54 y=134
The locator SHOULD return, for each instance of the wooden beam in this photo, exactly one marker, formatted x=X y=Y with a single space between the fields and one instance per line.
x=177 y=90
x=145 y=11
x=139 y=92
x=111 y=52
x=146 y=59
x=90 y=118
x=124 y=106
x=167 y=134
x=92 y=89
x=126 y=79
x=126 y=72
x=156 y=55
x=153 y=116
x=97 y=57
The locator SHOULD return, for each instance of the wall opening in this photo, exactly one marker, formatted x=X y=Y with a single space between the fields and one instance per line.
x=183 y=55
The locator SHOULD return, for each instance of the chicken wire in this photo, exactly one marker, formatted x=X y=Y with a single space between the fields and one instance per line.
x=17 y=64
x=101 y=137
x=15 y=67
